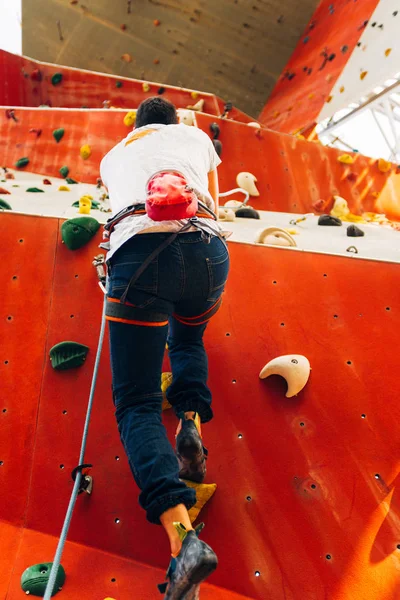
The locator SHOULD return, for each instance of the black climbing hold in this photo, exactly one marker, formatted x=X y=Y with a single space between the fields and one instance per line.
x=161 y=91
x=290 y=77
x=305 y=69
x=68 y=355
x=344 y=49
x=218 y=146
x=373 y=24
x=309 y=71
x=354 y=231
x=118 y=84
x=306 y=39
x=34 y=579
x=396 y=12
x=215 y=130
x=352 y=249
x=331 y=57
x=329 y=220
x=247 y=213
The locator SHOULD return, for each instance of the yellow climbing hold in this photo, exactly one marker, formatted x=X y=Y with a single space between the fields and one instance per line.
x=146 y=87
x=85 y=151
x=329 y=98
x=194 y=95
x=204 y=491
x=310 y=96
x=384 y=165
x=341 y=89
x=85 y=204
x=363 y=75
x=166 y=380
x=346 y=159
x=130 y=118
x=388 y=51
x=64 y=188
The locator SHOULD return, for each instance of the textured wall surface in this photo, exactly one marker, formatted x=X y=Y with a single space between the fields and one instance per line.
x=233 y=48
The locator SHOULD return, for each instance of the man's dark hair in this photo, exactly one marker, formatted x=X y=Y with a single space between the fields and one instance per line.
x=156 y=110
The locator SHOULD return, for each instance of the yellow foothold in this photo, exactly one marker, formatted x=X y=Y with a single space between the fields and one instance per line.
x=64 y=188
x=194 y=95
x=146 y=87
x=85 y=204
x=341 y=89
x=85 y=151
x=388 y=51
x=329 y=98
x=109 y=598
x=130 y=118
x=384 y=165
x=375 y=194
x=276 y=114
x=292 y=231
x=166 y=380
x=310 y=96
x=346 y=159
x=363 y=75
x=204 y=491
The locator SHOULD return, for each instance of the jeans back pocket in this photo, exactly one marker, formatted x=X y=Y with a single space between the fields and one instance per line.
x=218 y=269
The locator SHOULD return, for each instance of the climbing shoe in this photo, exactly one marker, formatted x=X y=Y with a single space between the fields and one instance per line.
x=190 y=451
x=195 y=562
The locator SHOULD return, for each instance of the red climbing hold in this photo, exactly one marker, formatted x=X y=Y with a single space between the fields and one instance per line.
x=4 y=191
x=46 y=182
x=123 y=27
x=156 y=22
x=36 y=75
x=37 y=131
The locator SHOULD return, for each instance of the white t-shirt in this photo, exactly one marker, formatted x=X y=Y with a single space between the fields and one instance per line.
x=126 y=169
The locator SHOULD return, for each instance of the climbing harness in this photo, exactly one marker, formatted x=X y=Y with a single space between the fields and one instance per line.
x=83 y=482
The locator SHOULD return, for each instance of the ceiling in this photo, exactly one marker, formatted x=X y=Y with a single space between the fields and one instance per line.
x=233 y=48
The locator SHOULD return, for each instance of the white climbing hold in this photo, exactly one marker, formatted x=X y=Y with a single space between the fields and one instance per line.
x=254 y=124
x=233 y=204
x=247 y=181
x=275 y=236
x=198 y=106
x=226 y=214
x=294 y=368
x=186 y=116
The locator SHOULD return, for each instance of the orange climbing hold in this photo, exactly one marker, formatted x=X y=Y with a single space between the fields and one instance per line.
x=127 y=58
x=4 y=191
x=384 y=165
x=363 y=75
x=156 y=22
x=388 y=51
x=346 y=159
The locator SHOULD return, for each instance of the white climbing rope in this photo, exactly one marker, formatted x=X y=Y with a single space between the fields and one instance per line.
x=68 y=517
x=231 y=192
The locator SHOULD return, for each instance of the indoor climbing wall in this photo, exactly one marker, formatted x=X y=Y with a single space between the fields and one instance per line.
x=318 y=61
x=376 y=58
x=307 y=486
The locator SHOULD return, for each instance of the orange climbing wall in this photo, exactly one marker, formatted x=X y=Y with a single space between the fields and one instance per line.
x=298 y=479
x=292 y=174
x=308 y=77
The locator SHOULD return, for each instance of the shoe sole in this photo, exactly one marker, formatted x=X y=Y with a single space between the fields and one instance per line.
x=181 y=589
x=189 y=449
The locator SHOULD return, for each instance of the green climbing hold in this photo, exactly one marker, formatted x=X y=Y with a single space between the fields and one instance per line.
x=64 y=171
x=118 y=84
x=4 y=205
x=22 y=162
x=95 y=204
x=70 y=180
x=57 y=78
x=78 y=232
x=68 y=355
x=34 y=579
x=58 y=134
x=34 y=190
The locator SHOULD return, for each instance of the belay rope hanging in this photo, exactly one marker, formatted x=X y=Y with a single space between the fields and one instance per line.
x=79 y=485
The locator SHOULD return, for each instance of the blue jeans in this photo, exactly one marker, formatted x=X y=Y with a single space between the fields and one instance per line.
x=184 y=282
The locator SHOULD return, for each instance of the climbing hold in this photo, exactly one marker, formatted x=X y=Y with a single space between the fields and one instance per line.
x=46 y=182
x=4 y=191
x=354 y=231
x=70 y=180
x=126 y=58
x=346 y=159
x=35 y=190
x=226 y=214
x=68 y=355
x=198 y=106
x=218 y=146
x=275 y=236
x=233 y=204
x=340 y=208
x=329 y=99
x=130 y=118
x=64 y=188
x=34 y=579
x=166 y=380
x=194 y=95
x=10 y=176
x=118 y=84
x=247 y=212
x=247 y=181
x=363 y=75
x=4 y=205
x=384 y=165
x=156 y=61
x=331 y=57
x=123 y=27
x=37 y=131
x=145 y=87
x=328 y=77
x=186 y=116
x=388 y=51
x=156 y=22
x=36 y=75
x=58 y=134
x=352 y=249
x=77 y=232
x=57 y=78
x=341 y=90
x=306 y=39
x=64 y=171
x=294 y=368
x=254 y=124
x=344 y=49
x=328 y=220
x=351 y=176
x=85 y=204
x=319 y=205
x=85 y=151
x=161 y=91
x=204 y=492
x=22 y=162
x=215 y=130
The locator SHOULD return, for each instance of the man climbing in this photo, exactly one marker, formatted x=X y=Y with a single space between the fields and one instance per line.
x=167 y=266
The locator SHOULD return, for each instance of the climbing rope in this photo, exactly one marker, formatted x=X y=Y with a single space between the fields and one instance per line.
x=234 y=191
x=78 y=470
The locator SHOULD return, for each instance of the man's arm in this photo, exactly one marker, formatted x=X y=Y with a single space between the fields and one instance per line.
x=213 y=187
